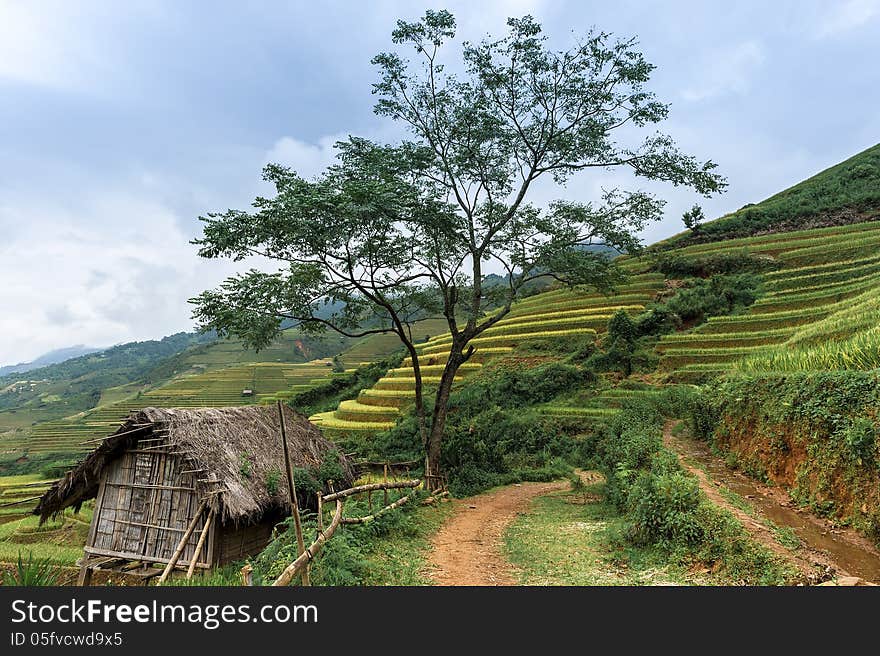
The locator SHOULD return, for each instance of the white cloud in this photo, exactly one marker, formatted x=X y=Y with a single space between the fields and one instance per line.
x=845 y=16
x=39 y=45
x=725 y=71
x=117 y=268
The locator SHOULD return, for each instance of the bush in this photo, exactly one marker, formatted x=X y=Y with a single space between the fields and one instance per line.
x=656 y=321
x=703 y=415
x=860 y=438
x=496 y=447
x=662 y=509
x=728 y=262
x=513 y=387
x=719 y=295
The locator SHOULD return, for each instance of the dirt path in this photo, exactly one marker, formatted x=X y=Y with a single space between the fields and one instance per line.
x=468 y=549
x=824 y=551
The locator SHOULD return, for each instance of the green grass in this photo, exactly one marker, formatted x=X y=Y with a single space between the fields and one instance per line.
x=400 y=557
x=563 y=540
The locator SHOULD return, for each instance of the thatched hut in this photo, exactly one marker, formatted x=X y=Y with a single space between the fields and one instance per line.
x=206 y=485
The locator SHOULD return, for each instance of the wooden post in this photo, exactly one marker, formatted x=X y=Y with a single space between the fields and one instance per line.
x=291 y=489
x=85 y=574
x=385 y=480
x=320 y=511
x=199 y=545
x=182 y=545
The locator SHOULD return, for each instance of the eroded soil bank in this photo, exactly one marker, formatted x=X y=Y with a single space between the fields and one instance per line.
x=825 y=550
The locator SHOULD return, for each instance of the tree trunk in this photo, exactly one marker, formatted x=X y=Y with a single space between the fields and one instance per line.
x=438 y=421
x=420 y=403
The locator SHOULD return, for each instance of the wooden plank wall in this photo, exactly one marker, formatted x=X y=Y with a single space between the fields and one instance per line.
x=144 y=507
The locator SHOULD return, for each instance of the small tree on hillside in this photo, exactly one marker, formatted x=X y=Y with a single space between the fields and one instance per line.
x=693 y=219
x=620 y=341
x=391 y=234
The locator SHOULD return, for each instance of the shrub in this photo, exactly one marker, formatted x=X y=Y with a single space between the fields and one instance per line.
x=656 y=321
x=703 y=415
x=719 y=295
x=662 y=509
x=272 y=479
x=703 y=266
x=860 y=437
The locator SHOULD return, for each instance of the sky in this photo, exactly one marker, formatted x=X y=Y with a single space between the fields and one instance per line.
x=122 y=123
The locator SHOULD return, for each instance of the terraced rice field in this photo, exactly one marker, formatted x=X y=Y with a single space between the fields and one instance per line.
x=598 y=407
x=558 y=313
x=827 y=286
x=269 y=374
x=60 y=539
x=215 y=388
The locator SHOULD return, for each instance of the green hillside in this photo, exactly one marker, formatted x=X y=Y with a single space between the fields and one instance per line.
x=848 y=192
x=214 y=375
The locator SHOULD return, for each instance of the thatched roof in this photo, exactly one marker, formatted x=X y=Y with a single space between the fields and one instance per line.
x=217 y=440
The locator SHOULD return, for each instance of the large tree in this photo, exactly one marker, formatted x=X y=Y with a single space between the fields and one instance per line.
x=391 y=234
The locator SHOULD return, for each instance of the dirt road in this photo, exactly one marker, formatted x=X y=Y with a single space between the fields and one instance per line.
x=468 y=549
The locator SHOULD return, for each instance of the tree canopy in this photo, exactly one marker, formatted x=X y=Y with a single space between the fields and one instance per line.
x=392 y=233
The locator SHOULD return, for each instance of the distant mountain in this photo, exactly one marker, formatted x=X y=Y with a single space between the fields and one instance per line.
x=52 y=357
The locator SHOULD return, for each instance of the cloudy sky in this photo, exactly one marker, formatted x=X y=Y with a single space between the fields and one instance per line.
x=121 y=123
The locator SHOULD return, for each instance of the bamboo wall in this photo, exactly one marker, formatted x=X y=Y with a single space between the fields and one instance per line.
x=238 y=542
x=144 y=505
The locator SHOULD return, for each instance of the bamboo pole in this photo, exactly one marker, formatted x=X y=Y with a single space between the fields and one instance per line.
x=393 y=485
x=199 y=545
x=20 y=501
x=320 y=512
x=183 y=541
x=291 y=570
x=370 y=518
x=291 y=488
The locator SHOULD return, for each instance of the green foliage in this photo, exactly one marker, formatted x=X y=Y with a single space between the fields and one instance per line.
x=656 y=321
x=272 y=478
x=823 y=426
x=678 y=265
x=620 y=342
x=663 y=504
x=497 y=446
x=51 y=465
x=577 y=349
x=349 y=557
x=516 y=386
x=719 y=295
x=703 y=415
x=860 y=436
x=852 y=185
x=693 y=218
x=327 y=396
x=244 y=466
x=662 y=509
x=32 y=572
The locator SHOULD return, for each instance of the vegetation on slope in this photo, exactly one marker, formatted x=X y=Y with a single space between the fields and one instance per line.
x=815 y=433
x=848 y=192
